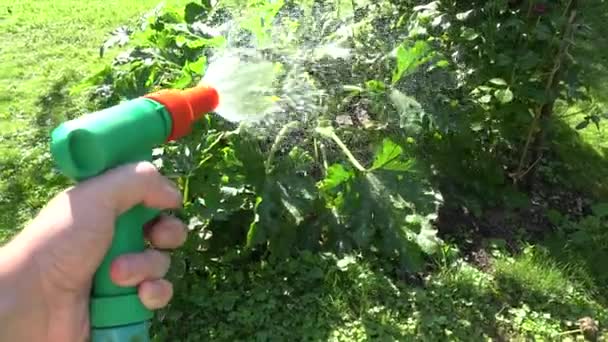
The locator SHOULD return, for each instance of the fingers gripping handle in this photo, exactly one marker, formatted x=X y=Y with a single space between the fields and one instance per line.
x=113 y=305
x=117 y=313
x=88 y=146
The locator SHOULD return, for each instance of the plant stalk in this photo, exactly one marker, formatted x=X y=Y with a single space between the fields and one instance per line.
x=277 y=142
x=329 y=133
x=535 y=140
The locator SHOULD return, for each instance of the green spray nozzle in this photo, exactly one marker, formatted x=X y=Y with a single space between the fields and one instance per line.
x=94 y=143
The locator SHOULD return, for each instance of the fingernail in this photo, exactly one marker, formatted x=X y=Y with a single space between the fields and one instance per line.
x=155 y=296
x=121 y=271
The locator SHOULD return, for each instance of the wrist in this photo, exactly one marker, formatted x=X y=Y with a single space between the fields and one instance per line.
x=16 y=279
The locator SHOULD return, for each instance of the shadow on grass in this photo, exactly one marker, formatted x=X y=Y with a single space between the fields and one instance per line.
x=571 y=178
x=29 y=183
x=579 y=236
x=29 y=179
x=320 y=298
x=582 y=243
x=57 y=104
x=592 y=50
x=537 y=280
x=577 y=162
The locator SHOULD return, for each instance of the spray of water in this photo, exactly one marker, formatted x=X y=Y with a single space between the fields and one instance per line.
x=287 y=86
x=258 y=91
x=267 y=85
x=245 y=86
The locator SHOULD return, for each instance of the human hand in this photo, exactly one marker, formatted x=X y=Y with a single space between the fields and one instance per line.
x=47 y=270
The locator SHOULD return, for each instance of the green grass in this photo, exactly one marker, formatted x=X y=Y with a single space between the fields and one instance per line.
x=596 y=137
x=546 y=299
x=45 y=47
x=44 y=43
x=538 y=276
x=585 y=152
x=43 y=40
x=325 y=298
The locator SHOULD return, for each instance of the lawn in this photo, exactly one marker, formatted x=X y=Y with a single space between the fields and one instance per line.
x=43 y=41
x=46 y=47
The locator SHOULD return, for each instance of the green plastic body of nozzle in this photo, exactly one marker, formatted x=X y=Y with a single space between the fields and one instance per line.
x=88 y=146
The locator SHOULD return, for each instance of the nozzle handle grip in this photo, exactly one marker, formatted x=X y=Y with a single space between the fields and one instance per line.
x=88 y=146
x=113 y=305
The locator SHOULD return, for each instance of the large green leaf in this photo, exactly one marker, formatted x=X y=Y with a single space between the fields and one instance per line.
x=336 y=175
x=410 y=58
x=389 y=157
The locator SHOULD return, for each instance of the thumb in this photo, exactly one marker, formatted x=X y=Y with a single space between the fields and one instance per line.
x=126 y=186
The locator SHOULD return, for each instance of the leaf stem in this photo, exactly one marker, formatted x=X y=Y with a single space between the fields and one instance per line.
x=209 y=148
x=186 y=194
x=570 y=332
x=328 y=132
x=277 y=142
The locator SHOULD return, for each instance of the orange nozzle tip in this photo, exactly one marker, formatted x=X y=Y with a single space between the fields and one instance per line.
x=202 y=98
x=186 y=106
